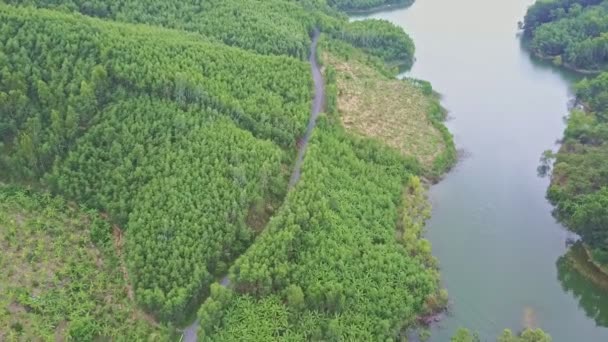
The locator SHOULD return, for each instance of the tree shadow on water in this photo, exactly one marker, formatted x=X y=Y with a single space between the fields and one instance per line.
x=581 y=278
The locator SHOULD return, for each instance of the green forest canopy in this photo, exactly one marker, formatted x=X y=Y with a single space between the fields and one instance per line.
x=575 y=32
x=380 y=38
x=264 y=26
x=579 y=186
x=310 y=269
x=186 y=143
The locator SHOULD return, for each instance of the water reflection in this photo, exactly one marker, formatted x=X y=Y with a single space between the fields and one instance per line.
x=548 y=65
x=581 y=278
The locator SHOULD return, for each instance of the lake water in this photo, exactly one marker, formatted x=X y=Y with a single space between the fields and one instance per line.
x=492 y=228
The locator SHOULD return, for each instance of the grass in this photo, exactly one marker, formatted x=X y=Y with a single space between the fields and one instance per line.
x=56 y=283
x=396 y=112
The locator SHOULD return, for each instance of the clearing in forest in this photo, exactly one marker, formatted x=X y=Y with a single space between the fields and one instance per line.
x=391 y=110
x=56 y=283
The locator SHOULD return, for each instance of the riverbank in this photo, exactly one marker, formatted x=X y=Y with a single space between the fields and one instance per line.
x=583 y=262
x=411 y=120
x=505 y=113
x=404 y=114
x=356 y=193
x=556 y=61
x=397 y=4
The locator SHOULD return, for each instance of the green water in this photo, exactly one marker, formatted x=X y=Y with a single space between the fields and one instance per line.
x=492 y=228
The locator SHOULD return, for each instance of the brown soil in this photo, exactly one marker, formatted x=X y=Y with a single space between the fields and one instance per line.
x=391 y=110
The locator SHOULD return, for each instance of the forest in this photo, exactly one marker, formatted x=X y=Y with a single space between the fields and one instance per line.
x=264 y=26
x=365 y=5
x=573 y=33
x=579 y=183
x=380 y=38
x=61 y=277
x=176 y=123
x=311 y=265
x=101 y=145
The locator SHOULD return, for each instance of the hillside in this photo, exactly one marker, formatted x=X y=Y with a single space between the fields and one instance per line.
x=264 y=26
x=61 y=277
x=411 y=124
x=573 y=33
x=183 y=136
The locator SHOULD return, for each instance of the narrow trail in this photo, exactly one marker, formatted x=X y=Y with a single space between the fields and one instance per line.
x=317 y=106
x=189 y=334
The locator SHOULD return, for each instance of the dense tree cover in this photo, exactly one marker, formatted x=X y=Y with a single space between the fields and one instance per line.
x=544 y=11
x=265 y=26
x=332 y=264
x=60 y=70
x=579 y=186
x=61 y=279
x=184 y=142
x=365 y=5
x=126 y=156
x=380 y=38
x=528 y=335
x=574 y=33
x=182 y=183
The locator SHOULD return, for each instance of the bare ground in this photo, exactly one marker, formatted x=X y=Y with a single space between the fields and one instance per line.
x=391 y=110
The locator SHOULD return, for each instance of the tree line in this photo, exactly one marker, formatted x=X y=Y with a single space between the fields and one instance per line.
x=579 y=184
x=572 y=32
x=380 y=38
x=365 y=5
x=276 y=27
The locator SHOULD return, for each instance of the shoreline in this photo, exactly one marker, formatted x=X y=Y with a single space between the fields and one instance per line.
x=566 y=66
x=598 y=268
x=386 y=7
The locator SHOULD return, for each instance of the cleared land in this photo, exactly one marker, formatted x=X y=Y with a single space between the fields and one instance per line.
x=391 y=110
x=56 y=285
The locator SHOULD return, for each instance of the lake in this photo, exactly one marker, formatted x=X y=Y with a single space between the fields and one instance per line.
x=492 y=228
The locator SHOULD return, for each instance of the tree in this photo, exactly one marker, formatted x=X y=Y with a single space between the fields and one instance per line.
x=295 y=296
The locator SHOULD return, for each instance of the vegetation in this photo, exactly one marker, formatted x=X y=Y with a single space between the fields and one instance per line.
x=579 y=186
x=119 y=153
x=311 y=266
x=412 y=124
x=59 y=95
x=206 y=178
x=528 y=335
x=264 y=26
x=380 y=38
x=572 y=32
x=365 y=5
x=61 y=278
x=145 y=114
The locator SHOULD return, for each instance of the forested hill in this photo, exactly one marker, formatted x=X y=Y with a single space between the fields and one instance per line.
x=177 y=123
x=265 y=26
x=571 y=32
x=115 y=115
x=579 y=186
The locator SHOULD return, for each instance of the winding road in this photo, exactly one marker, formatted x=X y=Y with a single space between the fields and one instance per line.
x=317 y=106
x=189 y=334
